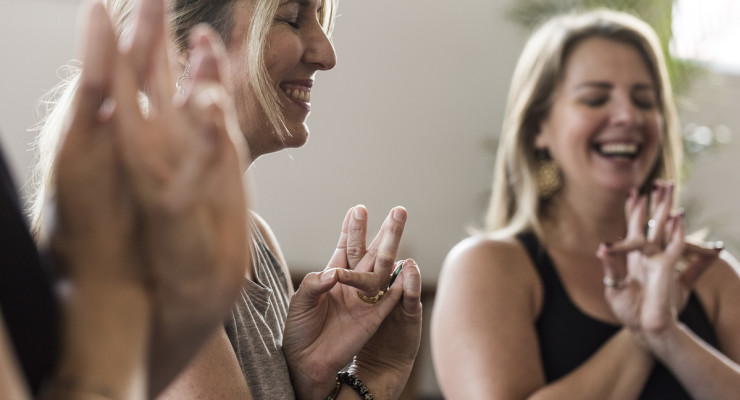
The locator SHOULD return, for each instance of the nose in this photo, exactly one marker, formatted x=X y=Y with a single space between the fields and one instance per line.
x=626 y=113
x=319 y=51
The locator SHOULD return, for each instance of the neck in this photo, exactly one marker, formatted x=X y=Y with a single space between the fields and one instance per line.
x=581 y=220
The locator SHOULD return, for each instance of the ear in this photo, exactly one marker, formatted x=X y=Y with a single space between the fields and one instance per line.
x=541 y=139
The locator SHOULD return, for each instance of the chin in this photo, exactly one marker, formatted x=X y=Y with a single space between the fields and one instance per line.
x=298 y=136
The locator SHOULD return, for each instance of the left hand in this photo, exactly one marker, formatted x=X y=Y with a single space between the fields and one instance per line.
x=390 y=354
x=327 y=321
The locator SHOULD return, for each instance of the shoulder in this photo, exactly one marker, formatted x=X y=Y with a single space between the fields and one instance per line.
x=719 y=290
x=488 y=269
x=489 y=257
x=271 y=241
x=720 y=281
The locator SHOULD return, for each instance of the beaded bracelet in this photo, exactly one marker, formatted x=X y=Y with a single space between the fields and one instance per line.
x=356 y=384
x=335 y=393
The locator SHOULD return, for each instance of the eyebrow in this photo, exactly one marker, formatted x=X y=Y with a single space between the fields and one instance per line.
x=607 y=85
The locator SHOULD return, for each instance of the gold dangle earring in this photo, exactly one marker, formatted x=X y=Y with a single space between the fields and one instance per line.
x=548 y=176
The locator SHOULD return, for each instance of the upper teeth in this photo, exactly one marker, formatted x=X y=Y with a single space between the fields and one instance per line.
x=298 y=94
x=618 y=148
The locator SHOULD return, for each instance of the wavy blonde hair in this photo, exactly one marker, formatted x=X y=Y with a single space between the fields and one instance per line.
x=515 y=206
x=183 y=16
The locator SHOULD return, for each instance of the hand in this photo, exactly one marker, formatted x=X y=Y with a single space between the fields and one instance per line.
x=184 y=172
x=91 y=233
x=649 y=291
x=327 y=321
x=106 y=305
x=391 y=352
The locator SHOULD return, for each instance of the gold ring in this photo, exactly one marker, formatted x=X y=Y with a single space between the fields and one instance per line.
x=371 y=300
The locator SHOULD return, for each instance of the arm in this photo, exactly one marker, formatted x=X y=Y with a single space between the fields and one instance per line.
x=214 y=373
x=12 y=385
x=706 y=372
x=654 y=290
x=496 y=355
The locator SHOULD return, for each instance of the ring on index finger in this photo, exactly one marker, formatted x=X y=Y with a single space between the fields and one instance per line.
x=373 y=299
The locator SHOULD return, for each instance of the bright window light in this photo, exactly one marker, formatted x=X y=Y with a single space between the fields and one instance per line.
x=708 y=31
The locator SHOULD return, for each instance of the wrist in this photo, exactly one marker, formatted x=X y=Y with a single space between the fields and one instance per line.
x=311 y=382
x=105 y=338
x=661 y=342
x=382 y=381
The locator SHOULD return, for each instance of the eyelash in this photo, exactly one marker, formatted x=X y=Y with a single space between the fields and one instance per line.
x=597 y=102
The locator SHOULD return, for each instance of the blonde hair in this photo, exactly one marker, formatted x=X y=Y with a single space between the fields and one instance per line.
x=515 y=205
x=184 y=15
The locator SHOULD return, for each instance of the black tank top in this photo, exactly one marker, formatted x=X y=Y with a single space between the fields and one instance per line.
x=568 y=337
x=28 y=306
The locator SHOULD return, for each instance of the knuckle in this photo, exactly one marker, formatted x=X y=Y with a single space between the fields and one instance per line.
x=385 y=258
x=354 y=252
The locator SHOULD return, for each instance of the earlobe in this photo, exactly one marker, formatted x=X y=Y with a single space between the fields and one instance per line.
x=540 y=140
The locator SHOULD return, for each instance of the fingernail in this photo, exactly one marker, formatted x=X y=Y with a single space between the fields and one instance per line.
x=360 y=212
x=719 y=245
x=399 y=214
x=328 y=275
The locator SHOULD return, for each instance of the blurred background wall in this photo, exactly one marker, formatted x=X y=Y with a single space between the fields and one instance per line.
x=408 y=117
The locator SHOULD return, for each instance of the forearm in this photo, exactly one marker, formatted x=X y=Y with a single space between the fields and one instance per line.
x=704 y=371
x=105 y=340
x=618 y=370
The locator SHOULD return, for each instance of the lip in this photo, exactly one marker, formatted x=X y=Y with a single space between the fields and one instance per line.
x=302 y=85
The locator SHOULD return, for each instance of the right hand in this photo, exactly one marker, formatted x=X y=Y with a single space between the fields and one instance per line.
x=183 y=161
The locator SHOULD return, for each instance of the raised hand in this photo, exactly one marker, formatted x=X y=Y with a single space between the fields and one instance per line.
x=649 y=275
x=184 y=171
x=105 y=299
x=328 y=321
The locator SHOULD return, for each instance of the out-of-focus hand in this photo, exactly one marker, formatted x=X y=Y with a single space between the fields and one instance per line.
x=649 y=275
x=328 y=323
x=105 y=298
x=185 y=173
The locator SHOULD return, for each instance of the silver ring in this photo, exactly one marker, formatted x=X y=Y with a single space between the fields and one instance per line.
x=614 y=283
x=395 y=273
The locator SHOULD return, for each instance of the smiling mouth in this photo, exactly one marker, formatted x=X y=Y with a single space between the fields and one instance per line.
x=298 y=94
x=618 y=150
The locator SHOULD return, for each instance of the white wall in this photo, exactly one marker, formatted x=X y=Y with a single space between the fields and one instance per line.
x=403 y=119
x=407 y=117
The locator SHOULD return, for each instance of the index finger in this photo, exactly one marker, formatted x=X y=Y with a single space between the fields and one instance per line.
x=384 y=248
x=99 y=57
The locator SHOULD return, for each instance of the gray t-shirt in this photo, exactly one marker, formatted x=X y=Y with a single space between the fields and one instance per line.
x=255 y=328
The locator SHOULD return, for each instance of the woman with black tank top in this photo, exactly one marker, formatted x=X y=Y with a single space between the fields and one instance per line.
x=567 y=296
